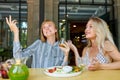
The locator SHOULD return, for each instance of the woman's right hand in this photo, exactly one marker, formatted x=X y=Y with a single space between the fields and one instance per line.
x=12 y=24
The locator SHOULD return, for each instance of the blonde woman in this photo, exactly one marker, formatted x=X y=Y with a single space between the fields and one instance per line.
x=101 y=52
x=45 y=52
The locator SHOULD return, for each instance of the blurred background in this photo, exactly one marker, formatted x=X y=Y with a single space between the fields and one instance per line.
x=70 y=16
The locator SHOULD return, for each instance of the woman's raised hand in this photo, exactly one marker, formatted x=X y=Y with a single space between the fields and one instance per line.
x=72 y=46
x=13 y=27
x=12 y=24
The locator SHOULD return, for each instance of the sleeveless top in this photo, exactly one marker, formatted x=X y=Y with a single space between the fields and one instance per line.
x=100 y=57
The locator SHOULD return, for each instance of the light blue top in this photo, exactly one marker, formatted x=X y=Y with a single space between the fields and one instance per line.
x=43 y=54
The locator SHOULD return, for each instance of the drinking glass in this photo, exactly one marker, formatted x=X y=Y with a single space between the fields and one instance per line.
x=61 y=42
x=82 y=63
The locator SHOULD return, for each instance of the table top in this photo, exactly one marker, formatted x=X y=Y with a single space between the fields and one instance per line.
x=38 y=74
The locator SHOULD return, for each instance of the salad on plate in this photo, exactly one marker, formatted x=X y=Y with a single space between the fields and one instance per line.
x=63 y=71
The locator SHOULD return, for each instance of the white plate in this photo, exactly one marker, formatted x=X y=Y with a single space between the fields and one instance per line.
x=61 y=74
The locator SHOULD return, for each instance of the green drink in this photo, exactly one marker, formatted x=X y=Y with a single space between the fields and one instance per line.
x=18 y=71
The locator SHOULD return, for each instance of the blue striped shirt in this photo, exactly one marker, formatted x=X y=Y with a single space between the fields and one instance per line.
x=43 y=54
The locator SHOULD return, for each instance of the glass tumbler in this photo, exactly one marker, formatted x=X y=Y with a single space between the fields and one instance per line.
x=61 y=42
x=82 y=63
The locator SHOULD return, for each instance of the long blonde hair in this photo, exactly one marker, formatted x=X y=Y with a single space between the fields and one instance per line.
x=43 y=38
x=102 y=32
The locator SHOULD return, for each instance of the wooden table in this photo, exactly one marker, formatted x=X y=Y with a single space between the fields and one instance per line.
x=38 y=74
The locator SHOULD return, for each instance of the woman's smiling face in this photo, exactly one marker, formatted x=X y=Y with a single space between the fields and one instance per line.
x=90 y=31
x=49 y=29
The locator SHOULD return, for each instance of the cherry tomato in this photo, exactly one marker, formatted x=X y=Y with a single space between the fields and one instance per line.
x=52 y=70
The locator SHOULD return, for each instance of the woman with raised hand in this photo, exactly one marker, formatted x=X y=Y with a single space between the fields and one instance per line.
x=45 y=51
x=100 y=52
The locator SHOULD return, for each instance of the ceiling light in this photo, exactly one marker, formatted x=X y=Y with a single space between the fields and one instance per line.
x=63 y=20
x=76 y=0
x=74 y=26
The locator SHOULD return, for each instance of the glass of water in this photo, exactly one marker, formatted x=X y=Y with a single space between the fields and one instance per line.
x=82 y=63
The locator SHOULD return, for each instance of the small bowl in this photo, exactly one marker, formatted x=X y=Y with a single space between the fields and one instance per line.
x=67 y=69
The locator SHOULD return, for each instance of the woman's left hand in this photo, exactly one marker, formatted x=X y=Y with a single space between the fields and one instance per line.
x=65 y=48
x=95 y=65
